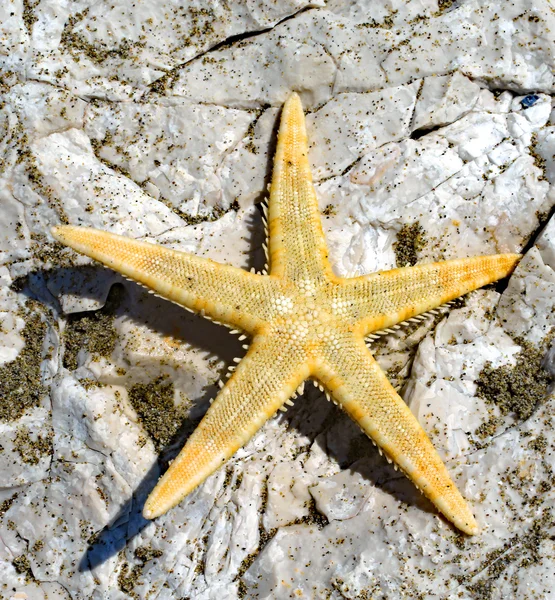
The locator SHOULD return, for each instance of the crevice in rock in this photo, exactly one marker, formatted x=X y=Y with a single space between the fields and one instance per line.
x=160 y=85
x=543 y=219
x=415 y=135
x=248 y=135
x=421 y=132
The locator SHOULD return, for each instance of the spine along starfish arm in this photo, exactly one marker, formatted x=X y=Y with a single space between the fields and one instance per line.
x=383 y=299
x=264 y=380
x=220 y=292
x=305 y=322
x=361 y=388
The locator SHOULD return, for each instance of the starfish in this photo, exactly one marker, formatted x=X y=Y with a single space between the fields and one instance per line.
x=304 y=322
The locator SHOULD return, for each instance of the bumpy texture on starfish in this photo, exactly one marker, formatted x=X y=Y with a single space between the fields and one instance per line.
x=304 y=322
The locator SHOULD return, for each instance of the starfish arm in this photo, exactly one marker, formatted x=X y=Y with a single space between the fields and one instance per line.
x=382 y=299
x=267 y=376
x=221 y=292
x=359 y=385
x=297 y=248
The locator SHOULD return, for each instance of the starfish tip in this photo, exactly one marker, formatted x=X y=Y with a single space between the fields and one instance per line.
x=466 y=524
x=148 y=513
x=56 y=232
x=472 y=529
x=62 y=233
x=294 y=100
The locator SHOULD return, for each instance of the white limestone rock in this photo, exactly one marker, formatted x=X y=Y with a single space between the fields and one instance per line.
x=355 y=116
x=193 y=139
x=528 y=304
x=115 y=50
x=246 y=170
x=262 y=72
x=511 y=49
x=467 y=184
x=89 y=192
x=545 y=144
x=383 y=13
x=443 y=100
x=418 y=112
x=507 y=49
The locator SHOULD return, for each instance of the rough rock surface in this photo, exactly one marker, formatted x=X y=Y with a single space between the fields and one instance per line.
x=432 y=137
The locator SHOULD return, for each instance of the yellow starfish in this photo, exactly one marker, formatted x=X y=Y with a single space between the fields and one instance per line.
x=304 y=322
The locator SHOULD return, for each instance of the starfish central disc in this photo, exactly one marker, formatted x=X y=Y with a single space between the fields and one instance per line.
x=304 y=322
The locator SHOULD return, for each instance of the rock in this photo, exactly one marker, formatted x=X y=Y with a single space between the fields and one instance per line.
x=431 y=136
x=443 y=100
